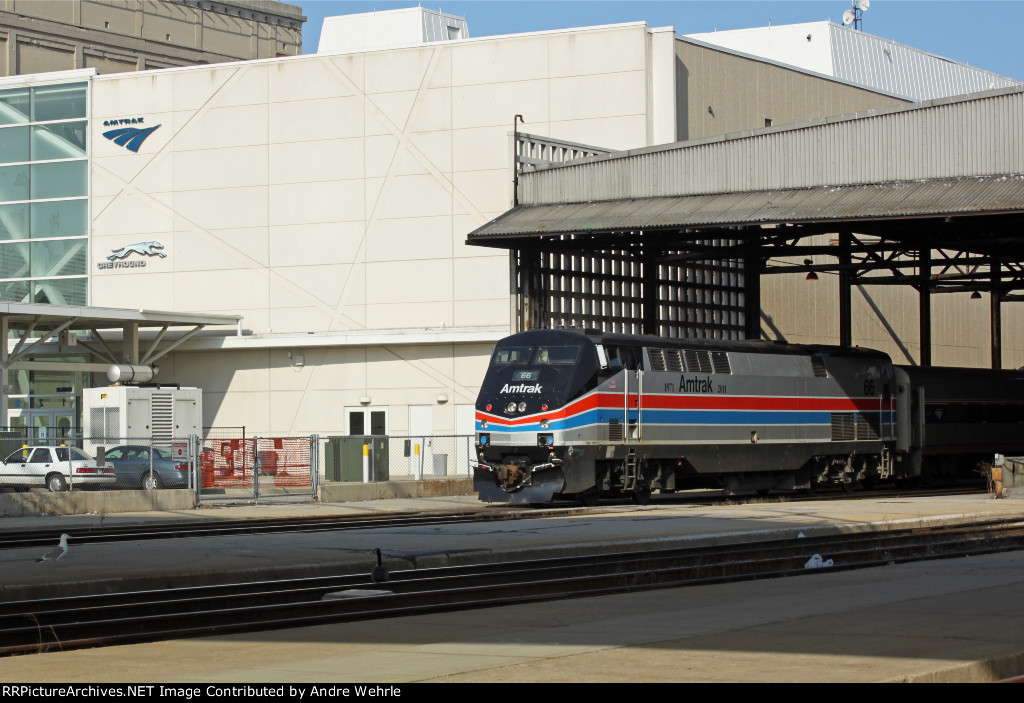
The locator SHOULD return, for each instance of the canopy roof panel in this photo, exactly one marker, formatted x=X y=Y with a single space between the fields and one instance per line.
x=831 y=205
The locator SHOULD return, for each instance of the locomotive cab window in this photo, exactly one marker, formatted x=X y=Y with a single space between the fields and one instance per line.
x=556 y=355
x=512 y=355
x=624 y=358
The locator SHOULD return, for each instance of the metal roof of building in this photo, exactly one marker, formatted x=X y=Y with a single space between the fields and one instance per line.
x=45 y=317
x=859 y=58
x=924 y=198
x=977 y=135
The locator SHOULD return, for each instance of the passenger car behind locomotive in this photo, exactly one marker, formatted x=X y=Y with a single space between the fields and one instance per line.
x=567 y=415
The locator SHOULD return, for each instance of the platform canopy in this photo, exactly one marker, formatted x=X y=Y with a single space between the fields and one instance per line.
x=74 y=326
x=29 y=327
x=672 y=240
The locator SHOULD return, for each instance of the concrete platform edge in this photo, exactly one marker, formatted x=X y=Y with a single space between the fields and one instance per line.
x=984 y=671
x=427 y=488
x=92 y=502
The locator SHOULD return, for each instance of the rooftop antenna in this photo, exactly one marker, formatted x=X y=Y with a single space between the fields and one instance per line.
x=855 y=15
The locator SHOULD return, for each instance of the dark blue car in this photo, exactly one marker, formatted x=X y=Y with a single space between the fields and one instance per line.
x=135 y=469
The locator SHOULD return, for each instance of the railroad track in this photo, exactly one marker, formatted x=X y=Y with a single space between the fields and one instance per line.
x=16 y=539
x=97 y=620
x=95 y=534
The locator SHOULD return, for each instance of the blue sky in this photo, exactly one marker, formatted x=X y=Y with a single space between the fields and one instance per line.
x=983 y=33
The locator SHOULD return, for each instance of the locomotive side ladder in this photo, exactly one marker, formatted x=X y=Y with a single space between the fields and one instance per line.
x=634 y=431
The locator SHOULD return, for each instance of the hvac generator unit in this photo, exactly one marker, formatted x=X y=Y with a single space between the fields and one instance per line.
x=115 y=415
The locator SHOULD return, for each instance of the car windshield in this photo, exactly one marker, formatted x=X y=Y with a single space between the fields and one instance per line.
x=18 y=456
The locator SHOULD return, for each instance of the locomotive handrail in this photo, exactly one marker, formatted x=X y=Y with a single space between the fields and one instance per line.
x=638 y=374
x=639 y=404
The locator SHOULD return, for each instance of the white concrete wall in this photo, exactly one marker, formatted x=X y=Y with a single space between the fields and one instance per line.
x=389 y=28
x=807 y=45
x=334 y=193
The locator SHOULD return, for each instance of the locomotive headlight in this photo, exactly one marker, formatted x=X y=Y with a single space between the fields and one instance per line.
x=483 y=424
x=522 y=406
x=510 y=408
x=545 y=423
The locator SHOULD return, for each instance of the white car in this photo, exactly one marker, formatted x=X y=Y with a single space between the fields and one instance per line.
x=56 y=468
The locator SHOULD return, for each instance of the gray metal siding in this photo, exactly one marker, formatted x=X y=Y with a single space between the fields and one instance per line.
x=976 y=136
x=896 y=68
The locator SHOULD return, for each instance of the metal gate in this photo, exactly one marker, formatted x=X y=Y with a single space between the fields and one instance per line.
x=256 y=469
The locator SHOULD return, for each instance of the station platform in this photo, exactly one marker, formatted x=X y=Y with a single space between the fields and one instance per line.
x=943 y=620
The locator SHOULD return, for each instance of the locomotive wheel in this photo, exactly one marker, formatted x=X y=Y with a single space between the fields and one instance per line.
x=642 y=495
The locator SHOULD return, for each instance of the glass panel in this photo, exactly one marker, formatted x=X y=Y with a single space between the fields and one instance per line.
x=58 y=102
x=14 y=221
x=377 y=422
x=63 y=218
x=14 y=260
x=69 y=291
x=511 y=355
x=355 y=423
x=14 y=145
x=556 y=355
x=14 y=183
x=56 y=141
x=14 y=106
x=60 y=180
x=59 y=258
x=14 y=291
x=18 y=379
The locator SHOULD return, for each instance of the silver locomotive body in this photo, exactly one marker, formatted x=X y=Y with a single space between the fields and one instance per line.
x=569 y=415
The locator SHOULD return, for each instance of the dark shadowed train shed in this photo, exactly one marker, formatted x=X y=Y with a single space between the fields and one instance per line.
x=672 y=240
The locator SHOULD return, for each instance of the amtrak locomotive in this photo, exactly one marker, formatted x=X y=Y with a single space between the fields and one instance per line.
x=565 y=415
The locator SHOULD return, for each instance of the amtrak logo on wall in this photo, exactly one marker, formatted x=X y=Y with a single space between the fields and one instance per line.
x=130 y=138
x=116 y=260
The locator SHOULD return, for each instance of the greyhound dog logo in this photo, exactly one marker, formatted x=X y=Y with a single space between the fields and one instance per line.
x=142 y=249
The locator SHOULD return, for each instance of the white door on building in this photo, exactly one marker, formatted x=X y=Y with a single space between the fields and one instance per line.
x=421 y=438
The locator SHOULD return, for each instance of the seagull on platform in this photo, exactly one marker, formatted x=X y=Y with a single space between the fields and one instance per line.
x=379 y=573
x=57 y=552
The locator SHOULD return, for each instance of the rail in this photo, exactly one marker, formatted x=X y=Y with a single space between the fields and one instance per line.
x=75 y=622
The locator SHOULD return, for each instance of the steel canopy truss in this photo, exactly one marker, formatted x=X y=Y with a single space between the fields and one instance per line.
x=957 y=261
x=703 y=281
x=39 y=324
x=632 y=286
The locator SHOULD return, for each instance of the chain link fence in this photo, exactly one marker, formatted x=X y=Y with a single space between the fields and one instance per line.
x=226 y=464
x=72 y=462
x=256 y=467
